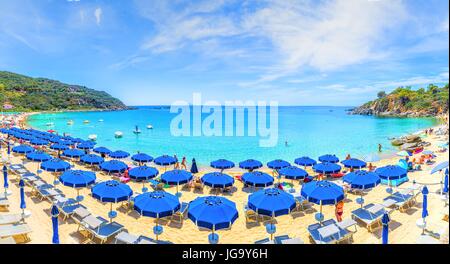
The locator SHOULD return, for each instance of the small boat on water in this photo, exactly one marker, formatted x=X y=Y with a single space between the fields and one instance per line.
x=118 y=134
x=100 y=120
x=136 y=130
x=70 y=122
x=86 y=121
x=149 y=127
x=50 y=124
x=92 y=137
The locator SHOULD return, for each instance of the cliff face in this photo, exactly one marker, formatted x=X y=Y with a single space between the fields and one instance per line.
x=408 y=103
x=24 y=93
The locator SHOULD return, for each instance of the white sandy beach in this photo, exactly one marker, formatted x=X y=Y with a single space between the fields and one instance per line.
x=403 y=229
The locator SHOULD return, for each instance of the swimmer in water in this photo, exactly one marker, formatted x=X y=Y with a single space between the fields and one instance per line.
x=286 y=143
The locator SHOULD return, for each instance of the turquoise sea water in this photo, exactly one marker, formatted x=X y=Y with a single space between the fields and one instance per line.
x=310 y=131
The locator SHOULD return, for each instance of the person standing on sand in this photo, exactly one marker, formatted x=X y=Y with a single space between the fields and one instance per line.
x=339 y=211
x=379 y=147
x=176 y=166
x=183 y=163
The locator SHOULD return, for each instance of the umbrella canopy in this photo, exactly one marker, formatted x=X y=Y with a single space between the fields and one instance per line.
x=385 y=222
x=55 y=165
x=73 y=153
x=113 y=166
x=59 y=146
x=55 y=213
x=111 y=191
x=5 y=178
x=22 y=149
x=354 y=163
x=331 y=158
x=327 y=168
x=293 y=173
x=86 y=145
x=194 y=168
x=217 y=180
x=362 y=179
x=322 y=192
x=391 y=172
x=38 y=156
x=222 y=164
x=156 y=204
x=119 y=154
x=305 y=161
x=77 y=178
x=143 y=173
x=371 y=158
x=439 y=167
x=92 y=159
x=271 y=202
x=404 y=153
x=141 y=157
x=278 y=164
x=102 y=150
x=257 y=179
x=250 y=164
x=176 y=177
x=165 y=160
x=212 y=212
x=38 y=142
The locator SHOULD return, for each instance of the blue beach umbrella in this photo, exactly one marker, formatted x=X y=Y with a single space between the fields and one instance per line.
x=55 y=213
x=23 y=204
x=271 y=202
x=217 y=180
x=327 y=168
x=85 y=145
x=141 y=158
x=362 y=180
x=371 y=158
x=111 y=192
x=5 y=179
x=293 y=173
x=305 y=161
x=391 y=172
x=102 y=150
x=119 y=154
x=77 y=179
x=213 y=213
x=322 y=193
x=55 y=165
x=143 y=173
x=156 y=205
x=38 y=142
x=73 y=153
x=250 y=164
x=222 y=164
x=176 y=177
x=330 y=158
x=92 y=159
x=194 y=168
x=8 y=151
x=445 y=189
x=59 y=147
x=278 y=164
x=385 y=222
x=113 y=166
x=22 y=149
x=38 y=156
x=441 y=166
x=354 y=163
x=165 y=160
x=424 y=205
x=257 y=179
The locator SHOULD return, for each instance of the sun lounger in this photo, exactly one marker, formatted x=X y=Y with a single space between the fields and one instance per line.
x=426 y=239
x=156 y=185
x=179 y=216
x=370 y=215
x=6 y=219
x=265 y=241
x=295 y=240
x=4 y=202
x=328 y=232
x=279 y=239
x=50 y=193
x=8 y=240
x=100 y=228
x=302 y=204
x=145 y=240
x=126 y=238
x=79 y=213
x=404 y=200
x=15 y=230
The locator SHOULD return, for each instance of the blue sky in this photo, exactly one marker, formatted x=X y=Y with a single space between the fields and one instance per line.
x=334 y=52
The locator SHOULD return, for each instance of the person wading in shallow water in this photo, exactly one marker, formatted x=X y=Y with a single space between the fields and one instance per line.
x=379 y=147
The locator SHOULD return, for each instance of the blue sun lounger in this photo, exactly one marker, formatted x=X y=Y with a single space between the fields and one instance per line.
x=100 y=228
x=370 y=215
x=329 y=232
x=403 y=200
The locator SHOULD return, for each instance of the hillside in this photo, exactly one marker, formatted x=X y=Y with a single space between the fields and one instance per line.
x=22 y=93
x=404 y=101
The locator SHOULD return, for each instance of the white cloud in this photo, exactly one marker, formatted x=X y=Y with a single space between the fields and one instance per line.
x=98 y=15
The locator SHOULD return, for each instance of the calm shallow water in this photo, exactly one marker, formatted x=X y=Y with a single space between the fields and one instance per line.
x=310 y=131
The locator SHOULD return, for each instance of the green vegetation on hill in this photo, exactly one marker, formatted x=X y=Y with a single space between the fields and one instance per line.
x=404 y=101
x=39 y=94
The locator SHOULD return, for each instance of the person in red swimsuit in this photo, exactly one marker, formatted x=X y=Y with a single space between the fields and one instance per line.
x=339 y=211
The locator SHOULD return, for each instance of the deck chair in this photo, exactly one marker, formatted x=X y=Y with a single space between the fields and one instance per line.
x=145 y=240
x=78 y=214
x=4 y=202
x=125 y=238
x=250 y=215
x=370 y=215
x=278 y=239
x=13 y=230
x=156 y=185
x=106 y=230
x=6 y=219
x=265 y=241
x=320 y=235
x=294 y=240
x=404 y=200
x=180 y=214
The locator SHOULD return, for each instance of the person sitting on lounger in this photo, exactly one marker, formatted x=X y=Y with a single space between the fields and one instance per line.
x=339 y=211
